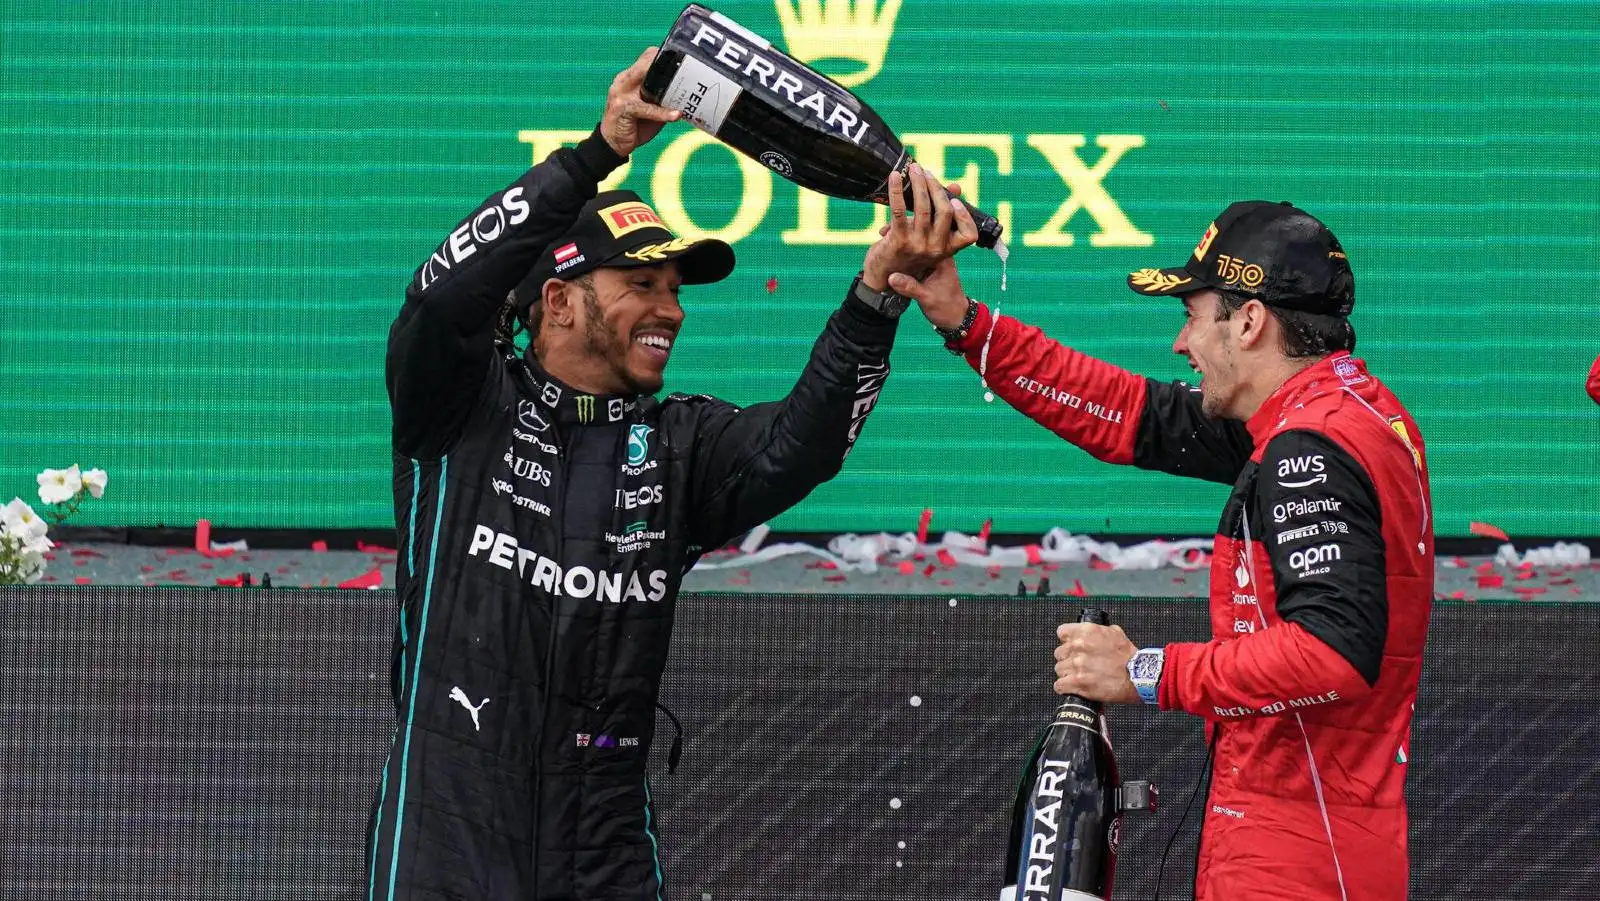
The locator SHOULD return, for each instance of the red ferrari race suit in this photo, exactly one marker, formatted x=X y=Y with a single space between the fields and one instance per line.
x=1321 y=584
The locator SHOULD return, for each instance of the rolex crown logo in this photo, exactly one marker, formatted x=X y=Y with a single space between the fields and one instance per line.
x=856 y=31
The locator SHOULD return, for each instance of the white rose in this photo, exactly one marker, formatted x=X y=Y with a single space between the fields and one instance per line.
x=95 y=481
x=57 y=486
x=21 y=521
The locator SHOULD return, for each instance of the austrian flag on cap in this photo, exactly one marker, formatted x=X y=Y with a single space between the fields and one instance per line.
x=618 y=230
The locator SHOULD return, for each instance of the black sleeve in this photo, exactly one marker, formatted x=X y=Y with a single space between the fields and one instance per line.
x=752 y=464
x=1324 y=535
x=442 y=343
x=1175 y=436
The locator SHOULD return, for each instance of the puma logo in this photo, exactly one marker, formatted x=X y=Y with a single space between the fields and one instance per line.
x=460 y=697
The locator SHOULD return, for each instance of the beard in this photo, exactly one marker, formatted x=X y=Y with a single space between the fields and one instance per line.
x=603 y=342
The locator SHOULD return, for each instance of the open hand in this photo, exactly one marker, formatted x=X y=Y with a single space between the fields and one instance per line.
x=628 y=120
x=915 y=240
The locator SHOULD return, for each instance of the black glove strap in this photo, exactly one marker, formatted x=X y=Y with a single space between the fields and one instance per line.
x=886 y=301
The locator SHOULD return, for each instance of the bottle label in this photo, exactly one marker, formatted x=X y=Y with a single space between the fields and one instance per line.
x=1009 y=893
x=754 y=39
x=702 y=93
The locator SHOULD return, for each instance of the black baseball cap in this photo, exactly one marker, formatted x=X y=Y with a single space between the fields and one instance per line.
x=1274 y=252
x=618 y=229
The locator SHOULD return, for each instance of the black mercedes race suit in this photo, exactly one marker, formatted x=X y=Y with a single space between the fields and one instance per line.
x=543 y=534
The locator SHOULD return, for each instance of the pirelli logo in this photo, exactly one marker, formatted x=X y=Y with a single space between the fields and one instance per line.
x=624 y=218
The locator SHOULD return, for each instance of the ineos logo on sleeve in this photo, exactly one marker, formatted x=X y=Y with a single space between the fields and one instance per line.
x=485 y=227
x=1302 y=466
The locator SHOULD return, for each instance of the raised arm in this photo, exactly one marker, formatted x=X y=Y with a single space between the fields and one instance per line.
x=751 y=465
x=1109 y=412
x=442 y=343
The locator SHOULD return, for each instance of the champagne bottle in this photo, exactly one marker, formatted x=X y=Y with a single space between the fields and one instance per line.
x=735 y=85
x=1066 y=821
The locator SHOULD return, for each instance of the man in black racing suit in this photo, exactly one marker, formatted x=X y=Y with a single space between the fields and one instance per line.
x=548 y=505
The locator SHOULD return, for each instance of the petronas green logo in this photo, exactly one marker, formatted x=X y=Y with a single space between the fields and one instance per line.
x=638 y=444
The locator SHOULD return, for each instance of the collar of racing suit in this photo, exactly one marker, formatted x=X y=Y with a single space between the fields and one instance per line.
x=570 y=405
x=1339 y=368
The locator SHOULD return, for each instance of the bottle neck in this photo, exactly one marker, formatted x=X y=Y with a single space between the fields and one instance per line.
x=1080 y=710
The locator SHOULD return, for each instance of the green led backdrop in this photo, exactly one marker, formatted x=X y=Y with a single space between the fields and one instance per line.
x=210 y=212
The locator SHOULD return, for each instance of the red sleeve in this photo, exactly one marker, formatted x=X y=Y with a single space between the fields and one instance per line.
x=1089 y=402
x=1594 y=381
x=1273 y=671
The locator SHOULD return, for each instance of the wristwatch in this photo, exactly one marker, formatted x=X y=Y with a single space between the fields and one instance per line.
x=886 y=301
x=954 y=336
x=1145 y=670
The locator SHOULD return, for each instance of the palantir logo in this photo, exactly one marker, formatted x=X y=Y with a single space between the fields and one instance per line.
x=638 y=444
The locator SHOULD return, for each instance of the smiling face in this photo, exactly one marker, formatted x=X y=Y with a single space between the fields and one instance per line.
x=1208 y=343
x=628 y=320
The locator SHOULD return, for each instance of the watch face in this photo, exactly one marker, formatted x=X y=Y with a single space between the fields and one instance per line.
x=1146 y=666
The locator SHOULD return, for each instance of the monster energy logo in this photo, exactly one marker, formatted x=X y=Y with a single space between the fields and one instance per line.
x=585 y=404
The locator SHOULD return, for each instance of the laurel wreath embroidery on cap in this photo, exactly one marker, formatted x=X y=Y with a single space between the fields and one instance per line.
x=1155 y=280
x=659 y=251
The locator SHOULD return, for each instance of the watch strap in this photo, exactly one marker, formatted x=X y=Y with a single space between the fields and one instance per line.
x=886 y=301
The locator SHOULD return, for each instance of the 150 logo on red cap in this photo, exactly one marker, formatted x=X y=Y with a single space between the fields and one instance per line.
x=629 y=217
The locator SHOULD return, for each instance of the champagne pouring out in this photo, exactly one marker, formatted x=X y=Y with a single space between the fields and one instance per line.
x=733 y=84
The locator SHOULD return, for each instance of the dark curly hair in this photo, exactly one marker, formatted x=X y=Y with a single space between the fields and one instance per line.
x=1305 y=335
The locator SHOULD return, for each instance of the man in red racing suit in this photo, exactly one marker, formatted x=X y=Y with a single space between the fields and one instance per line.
x=1322 y=575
